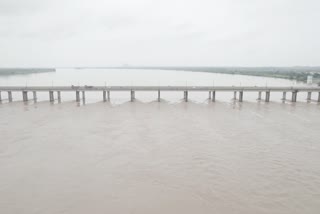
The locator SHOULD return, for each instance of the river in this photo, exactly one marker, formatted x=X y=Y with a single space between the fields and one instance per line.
x=149 y=157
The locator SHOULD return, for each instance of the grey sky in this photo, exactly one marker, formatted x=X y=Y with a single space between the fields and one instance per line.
x=159 y=32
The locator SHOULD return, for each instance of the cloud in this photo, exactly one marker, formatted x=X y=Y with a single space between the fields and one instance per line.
x=168 y=32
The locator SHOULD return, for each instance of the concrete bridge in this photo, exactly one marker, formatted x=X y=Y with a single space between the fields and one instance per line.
x=238 y=91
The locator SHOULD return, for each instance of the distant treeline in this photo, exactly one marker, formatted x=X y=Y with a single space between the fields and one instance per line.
x=299 y=73
x=15 y=71
x=293 y=73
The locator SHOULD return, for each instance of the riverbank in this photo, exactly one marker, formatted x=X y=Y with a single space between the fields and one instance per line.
x=299 y=73
x=24 y=71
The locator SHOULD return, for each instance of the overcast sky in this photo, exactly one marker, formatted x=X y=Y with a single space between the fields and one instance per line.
x=159 y=32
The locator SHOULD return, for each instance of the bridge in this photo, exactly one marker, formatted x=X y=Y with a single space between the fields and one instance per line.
x=238 y=91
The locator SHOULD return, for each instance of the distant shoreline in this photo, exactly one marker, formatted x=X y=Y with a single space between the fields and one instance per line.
x=297 y=73
x=24 y=71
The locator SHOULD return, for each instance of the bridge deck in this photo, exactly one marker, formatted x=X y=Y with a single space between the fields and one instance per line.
x=157 y=88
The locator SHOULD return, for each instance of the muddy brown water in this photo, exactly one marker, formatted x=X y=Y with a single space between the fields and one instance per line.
x=159 y=158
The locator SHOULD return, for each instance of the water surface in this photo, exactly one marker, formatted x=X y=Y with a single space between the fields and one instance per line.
x=168 y=157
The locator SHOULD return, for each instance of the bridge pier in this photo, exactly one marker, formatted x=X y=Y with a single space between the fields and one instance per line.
x=318 y=97
x=186 y=96
x=34 y=96
x=104 y=95
x=108 y=93
x=159 y=96
x=132 y=95
x=213 y=96
x=10 y=96
x=259 y=95
x=234 y=95
x=309 y=96
x=25 y=96
x=284 y=96
x=83 y=95
x=51 y=96
x=0 y=97
x=78 y=96
x=294 y=96
x=209 y=95
x=267 y=96
x=240 y=96
x=59 y=96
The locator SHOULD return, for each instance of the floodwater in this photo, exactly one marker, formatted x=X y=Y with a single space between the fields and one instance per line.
x=168 y=157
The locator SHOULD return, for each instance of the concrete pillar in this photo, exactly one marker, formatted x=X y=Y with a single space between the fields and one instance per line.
x=267 y=96
x=132 y=96
x=309 y=96
x=108 y=93
x=104 y=95
x=259 y=95
x=294 y=96
x=240 y=96
x=51 y=96
x=209 y=95
x=0 y=97
x=10 y=96
x=159 y=96
x=34 y=96
x=25 y=96
x=213 y=96
x=186 y=96
x=235 y=95
x=319 y=97
x=59 y=96
x=284 y=95
x=78 y=96
x=83 y=95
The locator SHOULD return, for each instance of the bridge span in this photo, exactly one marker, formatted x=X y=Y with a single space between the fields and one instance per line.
x=238 y=91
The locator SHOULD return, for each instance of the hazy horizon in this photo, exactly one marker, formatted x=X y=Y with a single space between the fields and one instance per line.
x=156 y=66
